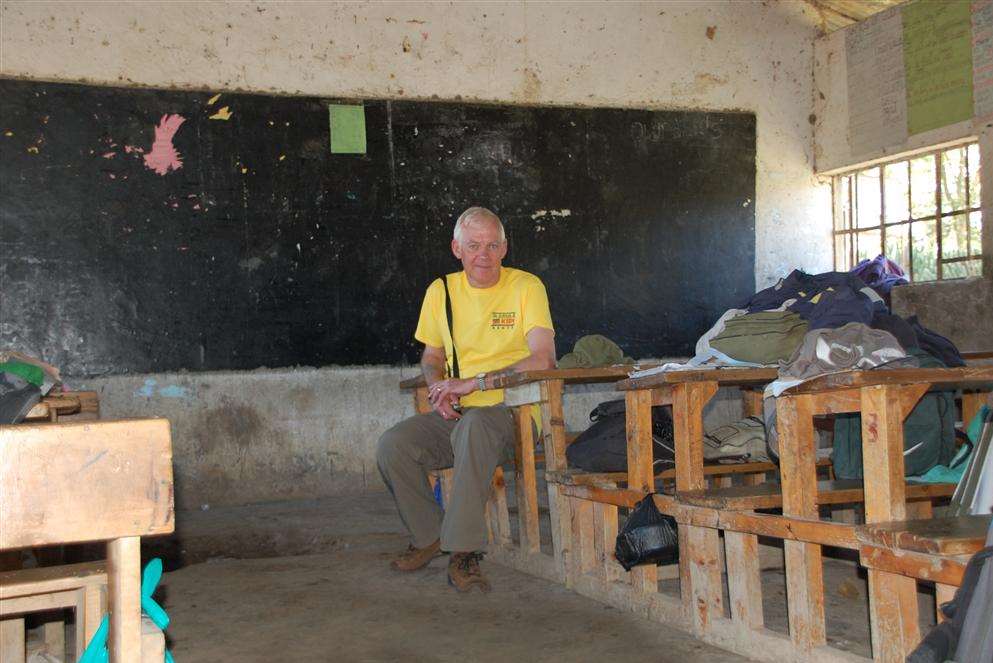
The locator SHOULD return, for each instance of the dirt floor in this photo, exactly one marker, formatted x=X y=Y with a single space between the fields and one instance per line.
x=339 y=602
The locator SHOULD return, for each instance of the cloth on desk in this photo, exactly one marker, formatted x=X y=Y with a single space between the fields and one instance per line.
x=17 y=397
x=928 y=433
x=935 y=344
x=738 y=442
x=802 y=287
x=824 y=351
x=853 y=345
x=592 y=351
x=880 y=274
x=761 y=338
x=836 y=307
x=897 y=326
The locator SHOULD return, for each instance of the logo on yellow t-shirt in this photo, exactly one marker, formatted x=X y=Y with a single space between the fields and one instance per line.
x=503 y=320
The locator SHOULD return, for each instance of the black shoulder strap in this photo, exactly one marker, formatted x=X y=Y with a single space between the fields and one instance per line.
x=451 y=331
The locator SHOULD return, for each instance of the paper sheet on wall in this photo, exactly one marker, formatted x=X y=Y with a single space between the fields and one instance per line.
x=937 y=55
x=347 y=129
x=877 y=100
x=982 y=58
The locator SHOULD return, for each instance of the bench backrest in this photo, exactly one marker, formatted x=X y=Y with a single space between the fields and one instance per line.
x=86 y=481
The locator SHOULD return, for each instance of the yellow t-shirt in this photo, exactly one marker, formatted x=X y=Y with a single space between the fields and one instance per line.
x=491 y=324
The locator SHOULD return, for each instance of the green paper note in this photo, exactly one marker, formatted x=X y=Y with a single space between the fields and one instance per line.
x=937 y=54
x=347 y=129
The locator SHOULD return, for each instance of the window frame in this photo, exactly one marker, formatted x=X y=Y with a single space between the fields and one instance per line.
x=845 y=184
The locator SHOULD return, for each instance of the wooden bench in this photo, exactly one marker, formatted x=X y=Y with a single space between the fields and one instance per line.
x=884 y=398
x=91 y=481
x=81 y=587
x=934 y=550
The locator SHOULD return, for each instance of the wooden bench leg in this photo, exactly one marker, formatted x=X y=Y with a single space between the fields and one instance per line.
x=12 y=640
x=124 y=585
x=942 y=594
x=638 y=422
x=553 y=441
x=526 y=482
x=892 y=598
x=700 y=584
x=498 y=514
x=604 y=541
x=54 y=636
x=583 y=558
x=744 y=578
x=804 y=566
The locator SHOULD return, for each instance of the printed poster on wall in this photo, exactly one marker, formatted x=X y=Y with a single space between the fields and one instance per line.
x=877 y=98
x=937 y=57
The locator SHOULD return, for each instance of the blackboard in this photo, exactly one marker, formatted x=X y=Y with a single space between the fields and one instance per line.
x=265 y=249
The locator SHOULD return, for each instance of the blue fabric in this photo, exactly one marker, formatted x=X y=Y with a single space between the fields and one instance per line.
x=880 y=274
x=799 y=285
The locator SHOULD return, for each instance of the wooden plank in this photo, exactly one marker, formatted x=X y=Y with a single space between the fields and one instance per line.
x=942 y=594
x=804 y=568
x=892 y=598
x=744 y=578
x=972 y=402
x=499 y=514
x=101 y=480
x=583 y=557
x=770 y=495
x=94 y=606
x=947 y=570
x=942 y=536
x=604 y=542
x=967 y=377
x=788 y=528
x=638 y=421
x=53 y=634
x=39 y=602
x=152 y=642
x=836 y=402
x=571 y=375
x=421 y=403
x=12 y=640
x=124 y=588
x=526 y=482
x=553 y=441
x=40 y=580
x=721 y=376
x=751 y=401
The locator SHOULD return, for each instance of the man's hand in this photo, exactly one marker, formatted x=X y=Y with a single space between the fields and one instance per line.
x=446 y=393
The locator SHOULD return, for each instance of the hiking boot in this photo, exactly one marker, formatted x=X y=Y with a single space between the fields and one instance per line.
x=464 y=573
x=416 y=558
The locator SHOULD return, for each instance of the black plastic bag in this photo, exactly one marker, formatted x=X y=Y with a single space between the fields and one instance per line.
x=648 y=537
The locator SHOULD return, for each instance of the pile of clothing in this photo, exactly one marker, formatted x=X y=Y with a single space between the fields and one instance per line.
x=810 y=325
x=23 y=381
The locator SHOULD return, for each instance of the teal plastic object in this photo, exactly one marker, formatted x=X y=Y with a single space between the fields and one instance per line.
x=952 y=473
x=97 y=652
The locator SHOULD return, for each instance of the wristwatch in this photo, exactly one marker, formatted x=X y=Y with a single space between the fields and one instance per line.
x=481 y=381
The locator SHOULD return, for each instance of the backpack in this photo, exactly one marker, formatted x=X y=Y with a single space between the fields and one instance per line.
x=603 y=446
x=740 y=442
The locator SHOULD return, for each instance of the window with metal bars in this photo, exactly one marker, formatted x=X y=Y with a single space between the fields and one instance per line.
x=923 y=213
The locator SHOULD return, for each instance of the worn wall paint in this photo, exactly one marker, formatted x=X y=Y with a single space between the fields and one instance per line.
x=285 y=434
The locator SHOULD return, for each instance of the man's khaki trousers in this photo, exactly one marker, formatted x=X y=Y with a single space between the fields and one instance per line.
x=473 y=446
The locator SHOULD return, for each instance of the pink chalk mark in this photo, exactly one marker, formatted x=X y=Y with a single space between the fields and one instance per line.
x=109 y=155
x=163 y=157
x=128 y=149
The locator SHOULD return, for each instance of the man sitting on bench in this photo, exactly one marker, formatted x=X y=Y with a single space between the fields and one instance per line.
x=501 y=325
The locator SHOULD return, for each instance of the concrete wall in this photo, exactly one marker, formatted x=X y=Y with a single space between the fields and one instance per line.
x=709 y=55
x=959 y=310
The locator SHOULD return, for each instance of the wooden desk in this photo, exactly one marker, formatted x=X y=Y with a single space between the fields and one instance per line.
x=884 y=398
x=688 y=392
